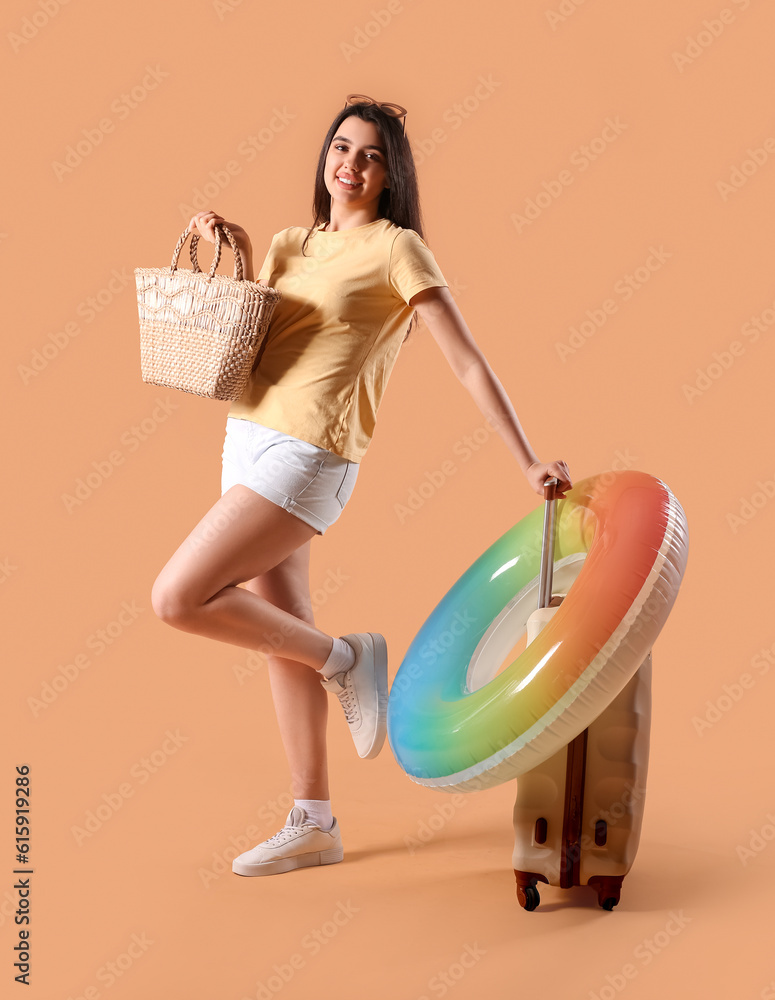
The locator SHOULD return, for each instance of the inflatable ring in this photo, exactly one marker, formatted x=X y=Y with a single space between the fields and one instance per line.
x=455 y=722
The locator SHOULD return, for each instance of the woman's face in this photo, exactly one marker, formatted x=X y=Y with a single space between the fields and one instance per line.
x=356 y=153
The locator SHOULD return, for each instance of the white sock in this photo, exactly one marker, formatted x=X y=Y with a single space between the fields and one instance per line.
x=318 y=810
x=341 y=657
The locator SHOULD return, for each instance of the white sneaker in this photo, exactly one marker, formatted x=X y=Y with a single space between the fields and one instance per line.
x=300 y=844
x=363 y=691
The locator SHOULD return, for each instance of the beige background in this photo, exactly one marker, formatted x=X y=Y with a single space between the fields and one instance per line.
x=173 y=92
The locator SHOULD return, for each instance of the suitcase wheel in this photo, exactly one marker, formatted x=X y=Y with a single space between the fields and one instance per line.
x=532 y=897
x=527 y=893
x=609 y=889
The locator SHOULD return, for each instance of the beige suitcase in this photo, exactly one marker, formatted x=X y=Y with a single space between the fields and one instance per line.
x=577 y=817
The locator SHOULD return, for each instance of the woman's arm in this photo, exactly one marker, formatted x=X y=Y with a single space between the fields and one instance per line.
x=441 y=315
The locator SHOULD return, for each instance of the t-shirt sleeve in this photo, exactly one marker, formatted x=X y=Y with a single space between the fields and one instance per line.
x=412 y=266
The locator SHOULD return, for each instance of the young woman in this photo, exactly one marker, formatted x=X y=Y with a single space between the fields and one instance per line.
x=350 y=284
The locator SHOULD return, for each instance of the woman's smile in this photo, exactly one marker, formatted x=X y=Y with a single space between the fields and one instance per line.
x=348 y=182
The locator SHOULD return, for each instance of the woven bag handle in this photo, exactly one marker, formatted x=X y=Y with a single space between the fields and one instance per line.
x=216 y=257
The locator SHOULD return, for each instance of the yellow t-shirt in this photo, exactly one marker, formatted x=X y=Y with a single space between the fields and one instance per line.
x=335 y=334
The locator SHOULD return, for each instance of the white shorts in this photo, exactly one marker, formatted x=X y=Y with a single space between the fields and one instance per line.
x=310 y=482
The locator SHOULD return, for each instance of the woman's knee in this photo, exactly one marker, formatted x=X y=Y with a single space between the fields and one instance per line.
x=170 y=602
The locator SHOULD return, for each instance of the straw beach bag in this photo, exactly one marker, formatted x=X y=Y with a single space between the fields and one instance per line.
x=201 y=332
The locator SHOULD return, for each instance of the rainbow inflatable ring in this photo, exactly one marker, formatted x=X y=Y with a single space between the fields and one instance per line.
x=458 y=723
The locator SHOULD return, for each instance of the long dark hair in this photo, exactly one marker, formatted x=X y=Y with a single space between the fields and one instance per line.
x=400 y=203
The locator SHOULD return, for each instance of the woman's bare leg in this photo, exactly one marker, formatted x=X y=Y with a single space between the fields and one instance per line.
x=300 y=702
x=242 y=537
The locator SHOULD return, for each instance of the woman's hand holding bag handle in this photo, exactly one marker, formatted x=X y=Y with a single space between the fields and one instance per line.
x=206 y=224
x=201 y=332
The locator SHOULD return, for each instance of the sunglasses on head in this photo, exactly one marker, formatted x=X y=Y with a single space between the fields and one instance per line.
x=394 y=110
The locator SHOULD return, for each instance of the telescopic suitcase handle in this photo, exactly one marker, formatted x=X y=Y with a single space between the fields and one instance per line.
x=547 y=545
